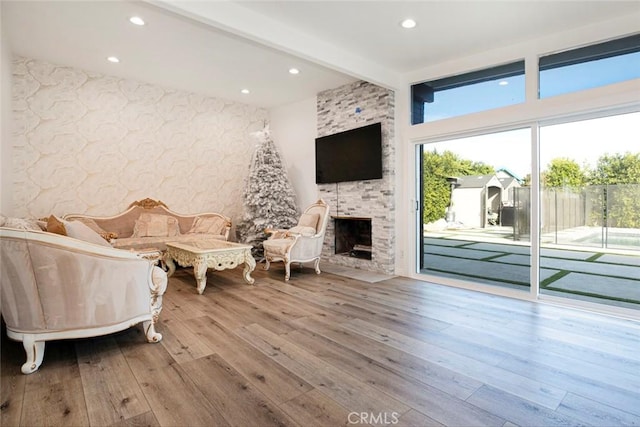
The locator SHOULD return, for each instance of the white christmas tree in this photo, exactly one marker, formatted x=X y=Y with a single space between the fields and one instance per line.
x=269 y=199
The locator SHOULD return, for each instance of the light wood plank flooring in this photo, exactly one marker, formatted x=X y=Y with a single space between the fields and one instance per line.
x=325 y=350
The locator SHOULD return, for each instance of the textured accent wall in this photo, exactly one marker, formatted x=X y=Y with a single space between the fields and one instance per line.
x=6 y=168
x=337 y=112
x=89 y=143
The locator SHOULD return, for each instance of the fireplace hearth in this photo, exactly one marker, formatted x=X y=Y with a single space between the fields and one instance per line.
x=353 y=237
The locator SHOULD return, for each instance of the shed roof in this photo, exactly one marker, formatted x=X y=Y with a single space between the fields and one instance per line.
x=506 y=182
x=475 y=181
x=505 y=173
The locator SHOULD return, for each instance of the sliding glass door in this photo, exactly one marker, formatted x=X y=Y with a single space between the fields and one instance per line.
x=476 y=205
x=476 y=209
x=590 y=209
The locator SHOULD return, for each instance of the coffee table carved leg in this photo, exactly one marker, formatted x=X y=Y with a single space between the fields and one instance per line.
x=171 y=266
x=249 y=266
x=200 y=272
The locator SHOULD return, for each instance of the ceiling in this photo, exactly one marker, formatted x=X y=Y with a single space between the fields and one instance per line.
x=218 y=48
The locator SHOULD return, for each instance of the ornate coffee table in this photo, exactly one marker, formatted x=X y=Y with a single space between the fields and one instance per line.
x=203 y=254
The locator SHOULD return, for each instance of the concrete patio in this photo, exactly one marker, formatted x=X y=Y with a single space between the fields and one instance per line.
x=488 y=256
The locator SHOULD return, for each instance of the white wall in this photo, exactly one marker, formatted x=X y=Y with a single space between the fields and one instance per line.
x=89 y=143
x=294 y=130
x=6 y=178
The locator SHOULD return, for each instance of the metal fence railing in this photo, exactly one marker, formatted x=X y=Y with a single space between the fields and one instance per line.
x=605 y=216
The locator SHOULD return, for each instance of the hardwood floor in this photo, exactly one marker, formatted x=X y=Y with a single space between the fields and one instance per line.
x=328 y=351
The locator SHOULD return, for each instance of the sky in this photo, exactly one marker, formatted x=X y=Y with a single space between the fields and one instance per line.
x=504 y=91
x=583 y=141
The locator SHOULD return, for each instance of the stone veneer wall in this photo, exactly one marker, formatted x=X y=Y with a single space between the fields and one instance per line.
x=348 y=107
x=90 y=143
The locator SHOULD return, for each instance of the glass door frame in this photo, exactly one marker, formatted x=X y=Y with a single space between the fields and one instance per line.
x=533 y=293
x=534 y=226
x=534 y=290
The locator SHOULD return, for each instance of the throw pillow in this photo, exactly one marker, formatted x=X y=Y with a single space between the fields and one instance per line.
x=75 y=229
x=207 y=225
x=305 y=231
x=80 y=231
x=309 y=220
x=56 y=225
x=154 y=225
x=92 y=224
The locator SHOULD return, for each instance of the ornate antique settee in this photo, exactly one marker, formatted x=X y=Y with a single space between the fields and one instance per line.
x=59 y=287
x=150 y=223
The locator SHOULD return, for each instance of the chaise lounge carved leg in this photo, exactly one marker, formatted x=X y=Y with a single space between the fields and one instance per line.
x=35 y=354
x=157 y=288
x=150 y=331
x=317 y=265
x=267 y=264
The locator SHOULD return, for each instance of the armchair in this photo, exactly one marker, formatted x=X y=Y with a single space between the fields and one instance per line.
x=302 y=243
x=57 y=287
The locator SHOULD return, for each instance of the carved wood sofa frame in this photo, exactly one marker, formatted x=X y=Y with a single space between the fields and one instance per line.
x=123 y=223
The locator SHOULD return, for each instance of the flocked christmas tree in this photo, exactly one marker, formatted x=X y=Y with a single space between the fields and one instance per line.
x=269 y=199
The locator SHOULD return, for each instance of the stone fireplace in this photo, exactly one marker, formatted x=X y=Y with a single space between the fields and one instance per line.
x=344 y=108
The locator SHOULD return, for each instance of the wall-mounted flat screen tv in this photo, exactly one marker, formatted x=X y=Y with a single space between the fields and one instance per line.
x=353 y=155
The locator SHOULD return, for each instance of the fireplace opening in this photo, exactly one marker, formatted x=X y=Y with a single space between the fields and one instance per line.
x=353 y=237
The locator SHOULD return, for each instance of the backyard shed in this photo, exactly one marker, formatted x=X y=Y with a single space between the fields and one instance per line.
x=474 y=197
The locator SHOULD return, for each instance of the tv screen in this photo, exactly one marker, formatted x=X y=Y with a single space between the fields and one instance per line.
x=353 y=155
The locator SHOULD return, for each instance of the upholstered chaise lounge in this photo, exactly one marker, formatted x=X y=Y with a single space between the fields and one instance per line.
x=58 y=287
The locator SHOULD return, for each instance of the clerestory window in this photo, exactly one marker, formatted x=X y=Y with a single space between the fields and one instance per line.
x=588 y=67
x=468 y=93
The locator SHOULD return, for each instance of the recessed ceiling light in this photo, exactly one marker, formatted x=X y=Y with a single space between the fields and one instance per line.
x=136 y=20
x=113 y=59
x=294 y=71
x=245 y=91
x=503 y=82
x=408 y=23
